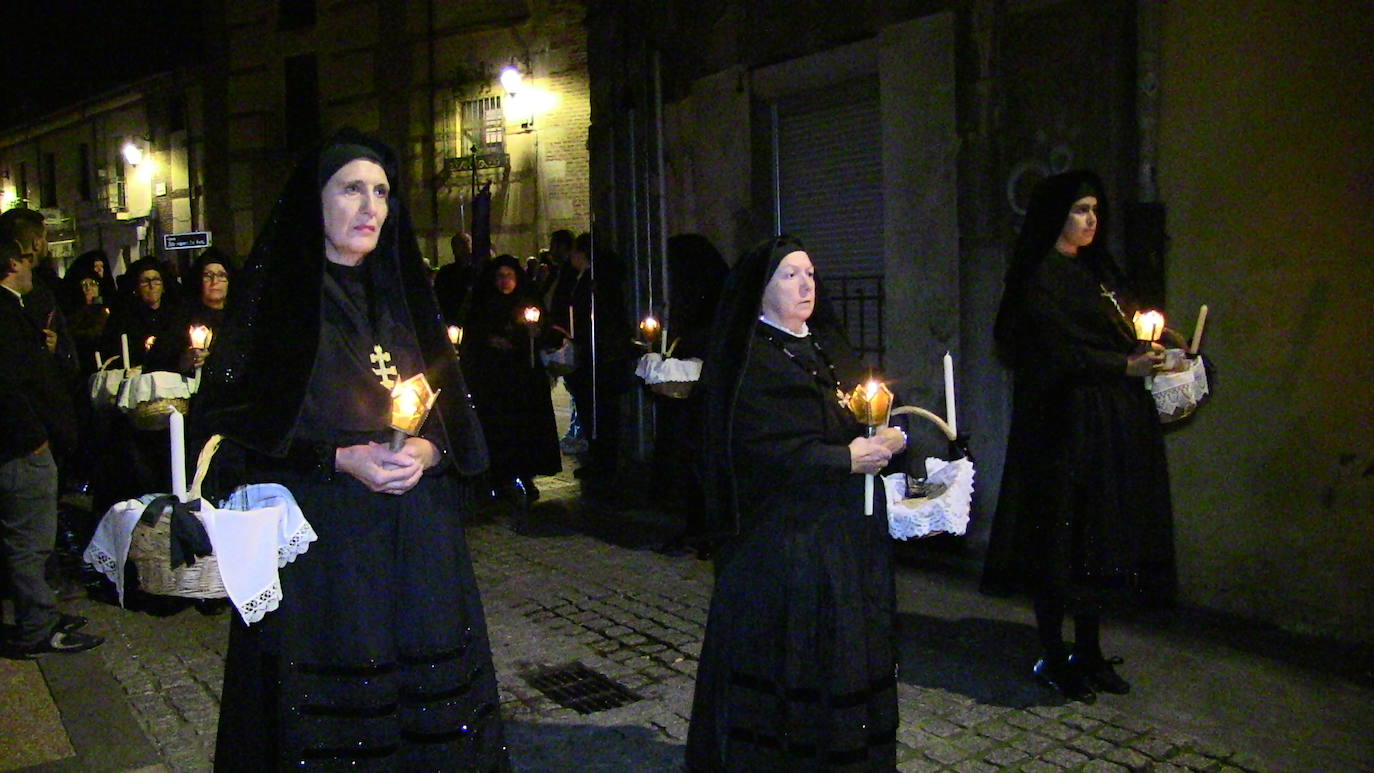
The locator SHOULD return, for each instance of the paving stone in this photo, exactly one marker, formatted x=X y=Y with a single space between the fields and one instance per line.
x=919 y=765
x=940 y=727
x=1040 y=766
x=1193 y=761
x=1093 y=747
x=1032 y=744
x=1130 y=758
x=975 y=766
x=1115 y=734
x=1064 y=757
x=1102 y=766
x=943 y=751
x=1058 y=731
x=1025 y=721
x=1155 y=748
x=1004 y=756
x=1000 y=730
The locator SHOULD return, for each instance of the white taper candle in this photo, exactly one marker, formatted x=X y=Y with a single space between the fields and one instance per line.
x=949 y=394
x=124 y=350
x=1197 y=331
x=176 y=426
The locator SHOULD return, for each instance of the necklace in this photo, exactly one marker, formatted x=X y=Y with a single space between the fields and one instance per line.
x=832 y=384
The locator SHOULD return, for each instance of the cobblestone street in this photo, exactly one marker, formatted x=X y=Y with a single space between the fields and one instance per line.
x=572 y=583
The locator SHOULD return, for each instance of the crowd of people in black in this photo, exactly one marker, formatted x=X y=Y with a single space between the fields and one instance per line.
x=765 y=473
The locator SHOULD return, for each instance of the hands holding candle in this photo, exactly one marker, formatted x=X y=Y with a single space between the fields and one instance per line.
x=870 y=403
x=200 y=337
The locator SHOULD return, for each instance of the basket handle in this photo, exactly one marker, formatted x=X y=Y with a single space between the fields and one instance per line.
x=203 y=465
x=923 y=413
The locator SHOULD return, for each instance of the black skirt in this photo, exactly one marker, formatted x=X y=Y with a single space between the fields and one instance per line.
x=378 y=657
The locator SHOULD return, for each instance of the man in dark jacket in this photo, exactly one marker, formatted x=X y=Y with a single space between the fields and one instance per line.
x=36 y=416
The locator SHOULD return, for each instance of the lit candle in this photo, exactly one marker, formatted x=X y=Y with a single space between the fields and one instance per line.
x=200 y=336
x=148 y=342
x=176 y=427
x=949 y=394
x=531 y=315
x=455 y=335
x=532 y=322
x=870 y=403
x=649 y=329
x=124 y=350
x=1197 y=331
x=1148 y=325
x=410 y=403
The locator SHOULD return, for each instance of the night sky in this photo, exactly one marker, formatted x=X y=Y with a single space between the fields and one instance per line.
x=57 y=53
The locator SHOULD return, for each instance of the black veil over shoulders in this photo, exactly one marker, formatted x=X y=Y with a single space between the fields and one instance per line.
x=1046 y=213
x=259 y=368
x=732 y=339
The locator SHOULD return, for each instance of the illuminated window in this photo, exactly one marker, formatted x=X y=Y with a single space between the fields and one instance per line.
x=483 y=125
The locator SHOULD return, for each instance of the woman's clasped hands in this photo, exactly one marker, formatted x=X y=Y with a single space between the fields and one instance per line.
x=869 y=455
x=385 y=471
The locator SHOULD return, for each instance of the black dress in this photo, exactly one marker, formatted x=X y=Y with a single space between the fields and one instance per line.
x=509 y=389
x=1084 y=516
x=798 y=665
x=378 y=657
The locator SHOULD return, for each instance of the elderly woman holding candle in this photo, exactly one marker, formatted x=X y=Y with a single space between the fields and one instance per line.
x=1084 y=519
x=144 y=312
x=798 y=664
x=193 y=324
x=378 y=654
x=509 y=386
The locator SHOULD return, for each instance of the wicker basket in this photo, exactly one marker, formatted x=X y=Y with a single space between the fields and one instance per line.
x=679 y=390
x=152 y=415
x=150 y=550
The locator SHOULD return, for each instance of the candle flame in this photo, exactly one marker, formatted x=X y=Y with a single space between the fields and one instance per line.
x=407 y=401
x=1149 y=325
x=148 y=343
x=871 y=389
x=531 y=314
x=649 y=327
x=200 y=336
x=455 y=335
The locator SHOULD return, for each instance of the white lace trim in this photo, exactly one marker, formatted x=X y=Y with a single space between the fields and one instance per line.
x=101 y=561
x=298 y=543
x=1177 y=395
x=940 y=505
x=257 y=607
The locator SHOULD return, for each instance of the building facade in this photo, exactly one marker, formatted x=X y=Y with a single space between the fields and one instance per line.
x=115 y=173
x=426 y=77
x=900 y=141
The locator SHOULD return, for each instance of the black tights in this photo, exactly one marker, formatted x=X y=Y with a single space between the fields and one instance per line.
x=1049 y=619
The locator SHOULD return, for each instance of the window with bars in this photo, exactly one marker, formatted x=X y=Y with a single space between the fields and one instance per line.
x=483 y=126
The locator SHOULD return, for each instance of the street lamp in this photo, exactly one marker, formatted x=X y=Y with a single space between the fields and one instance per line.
x=511 y=79
x=133 y=154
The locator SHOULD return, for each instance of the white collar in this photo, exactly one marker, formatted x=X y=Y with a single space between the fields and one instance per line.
x=16 y=295
x=805 y=331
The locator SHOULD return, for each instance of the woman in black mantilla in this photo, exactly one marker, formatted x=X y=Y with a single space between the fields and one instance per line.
x=211 y=274
x=798 y=665
x=378 y=656
x=1084 y=517
x=509 y=387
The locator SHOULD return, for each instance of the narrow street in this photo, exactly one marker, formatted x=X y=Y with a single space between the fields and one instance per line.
x=576 y=583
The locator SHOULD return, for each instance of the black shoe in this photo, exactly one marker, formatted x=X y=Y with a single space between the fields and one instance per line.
x=1098 y=673
x=68 y=623
x=62 y=641
x=1058 y=675
x=531 y=490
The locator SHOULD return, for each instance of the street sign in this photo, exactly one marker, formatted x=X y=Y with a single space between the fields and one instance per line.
x=189 y=240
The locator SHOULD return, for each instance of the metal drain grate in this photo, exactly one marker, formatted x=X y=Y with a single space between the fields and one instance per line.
x=576 y=687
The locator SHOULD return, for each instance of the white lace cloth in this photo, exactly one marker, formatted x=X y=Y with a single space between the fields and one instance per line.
x=104 y=386
x=654 y=369
x=1178 y=394
x=254 y=532
x=158 y=385
x=941 y=506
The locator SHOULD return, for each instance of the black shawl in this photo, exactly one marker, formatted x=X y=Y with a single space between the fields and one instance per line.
x=256 y=377
x=731 y=345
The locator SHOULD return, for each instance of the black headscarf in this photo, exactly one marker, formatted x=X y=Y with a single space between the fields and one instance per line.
x=193 y=278
x=1046 y=214
x=84 y=268
x=256 y=378
x=494 y=312
x=732 y=338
